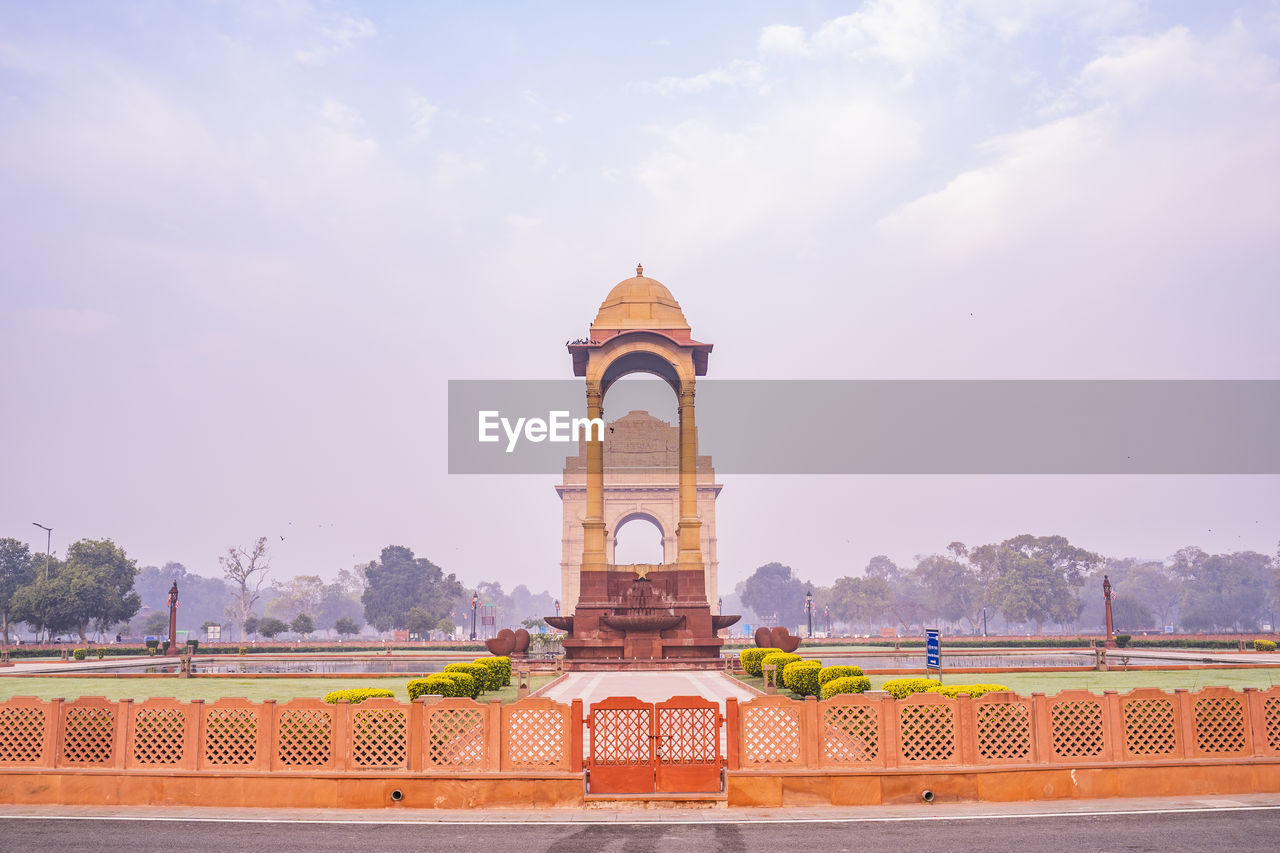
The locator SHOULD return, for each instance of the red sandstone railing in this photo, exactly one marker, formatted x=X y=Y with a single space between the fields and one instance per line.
x=540 y=736
x=303 y=735
x=1072 y=728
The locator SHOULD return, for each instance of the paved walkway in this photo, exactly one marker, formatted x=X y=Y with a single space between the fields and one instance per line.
x=661 y=813
x=648 y=686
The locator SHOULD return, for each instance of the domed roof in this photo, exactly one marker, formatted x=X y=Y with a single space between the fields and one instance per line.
x=640 y=303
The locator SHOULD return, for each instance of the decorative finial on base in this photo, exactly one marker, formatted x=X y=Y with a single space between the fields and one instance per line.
x=639 y=271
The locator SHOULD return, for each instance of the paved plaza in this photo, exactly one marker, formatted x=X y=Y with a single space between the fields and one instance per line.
x=646 y=685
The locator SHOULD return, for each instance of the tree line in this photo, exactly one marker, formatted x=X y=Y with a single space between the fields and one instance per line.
x=1027 y=583
x=97 y=590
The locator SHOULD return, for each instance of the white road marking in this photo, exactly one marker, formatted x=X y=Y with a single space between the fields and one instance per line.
x=490 y=818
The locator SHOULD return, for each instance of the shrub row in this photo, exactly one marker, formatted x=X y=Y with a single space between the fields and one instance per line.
x=801 y=676
x=832 y=672
x=974 y=690
x=901 y=688
x=464 y=679
x=846 y=684
x=752 y=659
x=356 y=695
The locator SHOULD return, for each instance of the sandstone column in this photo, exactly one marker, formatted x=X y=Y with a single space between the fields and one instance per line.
x=689 y=532
x=593 y=533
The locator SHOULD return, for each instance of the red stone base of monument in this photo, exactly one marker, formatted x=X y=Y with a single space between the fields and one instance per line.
x=659 y=621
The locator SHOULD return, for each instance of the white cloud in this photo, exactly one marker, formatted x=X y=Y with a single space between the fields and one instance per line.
x=335 y=35
x=782 y=39
x=907 y=33
x=740 y=72
x=421 y=113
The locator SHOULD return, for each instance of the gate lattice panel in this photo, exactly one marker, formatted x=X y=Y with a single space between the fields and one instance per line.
x=687 y=745
x=622 y=757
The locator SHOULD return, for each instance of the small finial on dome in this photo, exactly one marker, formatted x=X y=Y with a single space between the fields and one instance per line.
x=639 y=271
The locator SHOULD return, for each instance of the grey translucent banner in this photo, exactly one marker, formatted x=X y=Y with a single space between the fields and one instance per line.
x=895 y=427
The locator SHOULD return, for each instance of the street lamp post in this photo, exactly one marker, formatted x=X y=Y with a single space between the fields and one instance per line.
x=720 y=606
x=557 y=607
x=47 y=546
x=1107 y=595
x=475 y=602
x=984 y=620
x=808 y=606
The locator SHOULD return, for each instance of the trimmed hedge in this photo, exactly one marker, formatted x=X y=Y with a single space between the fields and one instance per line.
x=440 y=684
x=1122 y=640
x=499 y=671
x=974 y=690
x=901 y=688
x=478 y=672
x=752 y=660
x=831 y=672
x=846 y=684
x=1264 y=645
x=356 y=695
x=779 y=659
x=801 y=677
x=79 y=654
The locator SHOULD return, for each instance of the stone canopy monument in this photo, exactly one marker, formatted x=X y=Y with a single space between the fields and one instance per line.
x=641 y=614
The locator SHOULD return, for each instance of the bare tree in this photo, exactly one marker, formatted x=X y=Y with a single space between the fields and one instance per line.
x=247 y=570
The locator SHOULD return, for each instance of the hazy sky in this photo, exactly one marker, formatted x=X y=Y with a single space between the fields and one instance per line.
x=243 y=247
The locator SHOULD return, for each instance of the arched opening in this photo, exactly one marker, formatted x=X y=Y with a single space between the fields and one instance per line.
x=637 y=542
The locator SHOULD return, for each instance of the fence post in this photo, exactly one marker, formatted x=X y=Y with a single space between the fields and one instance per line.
x=1113 y=725
x=53 y=733
x=1254 y=708
x=493 y=736
x=966 y=730
x=1042 y=727
x=195 y=735
x=343 y=746
x=416 y=723
x=267 y=760
x=124 y=731
x=810 y=732
x=732 y=720
x=892 y=737
x=575 y=736
x=1186 y=721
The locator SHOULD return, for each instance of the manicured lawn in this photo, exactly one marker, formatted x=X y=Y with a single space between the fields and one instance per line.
x=1026 y=683
x=209 y=689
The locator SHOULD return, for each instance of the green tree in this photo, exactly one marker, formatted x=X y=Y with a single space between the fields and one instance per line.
x=271 y=627
x=302 y=624
x=774 y=590
x=156 y=624
x=419 y=621
x=1034 y=578
x=346 y=626
x=1223 y=591
x=860 y=600
x=17 y=569
x=398 y=582
x=250 y=627
x=246 y=569
x=446 y=626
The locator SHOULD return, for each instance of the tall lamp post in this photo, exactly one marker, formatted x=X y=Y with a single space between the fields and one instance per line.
x=1107 y=595
x=720 y=606
x=48 y=544
x=475 y=602
x=557 y=607
x=808 y=606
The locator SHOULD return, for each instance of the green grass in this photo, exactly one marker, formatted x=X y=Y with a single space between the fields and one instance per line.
x=1025 y=683
x=209 y=689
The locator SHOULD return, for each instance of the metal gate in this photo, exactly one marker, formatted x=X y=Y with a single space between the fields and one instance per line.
x=642 y=748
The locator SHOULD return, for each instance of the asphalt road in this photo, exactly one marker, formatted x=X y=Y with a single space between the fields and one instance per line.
x=1214 y=829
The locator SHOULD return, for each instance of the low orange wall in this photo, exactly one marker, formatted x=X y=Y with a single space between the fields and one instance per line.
x=456 y=753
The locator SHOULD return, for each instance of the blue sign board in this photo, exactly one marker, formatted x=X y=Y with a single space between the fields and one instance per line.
x=932 y=650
